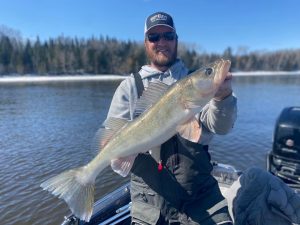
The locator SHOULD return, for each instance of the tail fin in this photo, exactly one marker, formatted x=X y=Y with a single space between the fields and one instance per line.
x=75 y=190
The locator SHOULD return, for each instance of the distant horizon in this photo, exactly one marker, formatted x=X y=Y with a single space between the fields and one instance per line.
x=208 y=26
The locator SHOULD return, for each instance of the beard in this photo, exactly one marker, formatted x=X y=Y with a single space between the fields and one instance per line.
x=160 y=58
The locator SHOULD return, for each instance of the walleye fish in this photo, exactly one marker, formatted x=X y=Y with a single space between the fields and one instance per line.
x=165 y=110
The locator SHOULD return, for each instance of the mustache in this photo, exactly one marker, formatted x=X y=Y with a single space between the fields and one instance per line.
x=160 y=49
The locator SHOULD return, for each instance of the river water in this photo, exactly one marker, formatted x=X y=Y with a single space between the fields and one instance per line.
x=47 y=128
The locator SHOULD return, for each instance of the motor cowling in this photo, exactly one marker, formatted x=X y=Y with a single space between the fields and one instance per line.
x=284 y=158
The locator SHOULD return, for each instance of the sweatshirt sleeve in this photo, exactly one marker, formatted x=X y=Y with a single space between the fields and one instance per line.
x=120 y=107
x=219 y=116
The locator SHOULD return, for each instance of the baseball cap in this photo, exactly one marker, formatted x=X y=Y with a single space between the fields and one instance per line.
x=159 y=19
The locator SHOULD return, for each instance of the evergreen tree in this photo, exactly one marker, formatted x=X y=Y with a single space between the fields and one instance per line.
x=104 y=55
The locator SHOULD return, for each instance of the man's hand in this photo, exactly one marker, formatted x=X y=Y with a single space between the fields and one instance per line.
x=225 y=89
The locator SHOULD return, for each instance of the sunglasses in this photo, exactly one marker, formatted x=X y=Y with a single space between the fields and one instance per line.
x=155 y=37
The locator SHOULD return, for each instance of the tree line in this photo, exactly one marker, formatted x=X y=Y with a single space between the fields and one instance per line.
x=104 y=55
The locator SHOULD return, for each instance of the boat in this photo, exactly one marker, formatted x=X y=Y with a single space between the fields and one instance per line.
x=283 y=161
x=114 y=208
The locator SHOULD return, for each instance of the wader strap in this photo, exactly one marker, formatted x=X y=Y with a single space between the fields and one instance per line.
x=217 y=207
x=139 y=84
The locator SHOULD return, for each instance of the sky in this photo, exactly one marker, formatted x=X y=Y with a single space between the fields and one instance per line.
x=206 y=25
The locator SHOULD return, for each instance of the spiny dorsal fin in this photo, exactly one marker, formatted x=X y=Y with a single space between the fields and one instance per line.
x=150 y=96
x=105 y=133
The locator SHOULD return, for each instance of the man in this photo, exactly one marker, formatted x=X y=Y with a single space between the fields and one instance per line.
x=173 y=185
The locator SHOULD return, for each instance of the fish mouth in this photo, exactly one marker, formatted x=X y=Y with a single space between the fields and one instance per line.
x=227 y=64
x=229 y=76
x=222 y=68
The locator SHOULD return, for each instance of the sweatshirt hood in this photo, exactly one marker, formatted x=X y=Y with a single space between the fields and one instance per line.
x=176 y=70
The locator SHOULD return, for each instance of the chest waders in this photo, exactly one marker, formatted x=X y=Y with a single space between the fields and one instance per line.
x=183 y=191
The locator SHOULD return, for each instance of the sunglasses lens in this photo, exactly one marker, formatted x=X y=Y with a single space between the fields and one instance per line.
x=169 y=36
x=155 y=37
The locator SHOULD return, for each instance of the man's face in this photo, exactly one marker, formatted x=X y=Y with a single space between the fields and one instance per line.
x=162 y=53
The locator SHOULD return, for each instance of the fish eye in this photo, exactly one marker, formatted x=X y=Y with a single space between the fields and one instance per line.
x=208 y=71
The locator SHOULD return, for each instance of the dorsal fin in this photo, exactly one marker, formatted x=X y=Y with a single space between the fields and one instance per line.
x=105 y=133
x=150 y=96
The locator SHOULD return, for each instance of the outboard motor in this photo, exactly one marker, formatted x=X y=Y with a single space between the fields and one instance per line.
x=284 y=159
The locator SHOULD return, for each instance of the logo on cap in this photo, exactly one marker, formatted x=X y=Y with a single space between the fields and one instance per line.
x=158 y=17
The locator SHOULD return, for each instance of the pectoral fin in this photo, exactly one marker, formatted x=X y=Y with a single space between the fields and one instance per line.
x=190 y=130
x=193 y=104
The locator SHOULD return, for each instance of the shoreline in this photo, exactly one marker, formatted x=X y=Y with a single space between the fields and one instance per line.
x=65 y=78
x=267 y=73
